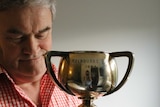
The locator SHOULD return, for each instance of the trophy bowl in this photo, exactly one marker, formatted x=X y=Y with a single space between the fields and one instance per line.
x=88 y=74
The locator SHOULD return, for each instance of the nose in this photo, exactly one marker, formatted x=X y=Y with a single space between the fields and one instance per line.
x=31 y=46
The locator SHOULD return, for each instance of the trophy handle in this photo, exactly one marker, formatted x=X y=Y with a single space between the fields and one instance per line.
x=128 y=71
x=50 y=69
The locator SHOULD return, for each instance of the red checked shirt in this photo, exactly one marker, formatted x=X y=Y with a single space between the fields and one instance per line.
x=13 y=96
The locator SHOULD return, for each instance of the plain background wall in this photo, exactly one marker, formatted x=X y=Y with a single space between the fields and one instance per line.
x=116 y=25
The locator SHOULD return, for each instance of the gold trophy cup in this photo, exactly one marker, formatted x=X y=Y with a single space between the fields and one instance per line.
x=88 y=74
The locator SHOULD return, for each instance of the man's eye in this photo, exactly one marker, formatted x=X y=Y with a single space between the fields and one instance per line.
x=16 y=39
x=41 y=36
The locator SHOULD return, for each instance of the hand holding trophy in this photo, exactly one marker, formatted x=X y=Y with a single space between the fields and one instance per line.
x=88 y=74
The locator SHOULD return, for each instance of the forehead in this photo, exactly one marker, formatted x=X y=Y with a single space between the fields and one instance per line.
x=26 y=17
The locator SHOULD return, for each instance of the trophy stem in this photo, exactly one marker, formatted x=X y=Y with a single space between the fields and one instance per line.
x=87 y=103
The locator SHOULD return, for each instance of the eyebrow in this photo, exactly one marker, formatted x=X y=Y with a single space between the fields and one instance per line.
x=17 y=31
x=44 y=30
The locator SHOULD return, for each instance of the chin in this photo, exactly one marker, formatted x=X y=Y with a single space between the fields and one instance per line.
x=33 y=69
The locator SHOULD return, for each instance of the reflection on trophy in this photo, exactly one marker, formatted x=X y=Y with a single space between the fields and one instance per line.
x=88 y=74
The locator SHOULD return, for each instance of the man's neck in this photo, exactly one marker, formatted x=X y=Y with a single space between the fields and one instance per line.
x=32 y=90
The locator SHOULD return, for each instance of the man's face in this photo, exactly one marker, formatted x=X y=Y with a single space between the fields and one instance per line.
x=25 y=35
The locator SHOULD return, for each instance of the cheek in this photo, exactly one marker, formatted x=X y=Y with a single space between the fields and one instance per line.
x=8 y=51
x=11 y=53
x=10 y=57
x=47 y=44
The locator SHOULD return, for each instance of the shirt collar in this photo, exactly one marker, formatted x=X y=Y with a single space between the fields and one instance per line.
x=2 y=70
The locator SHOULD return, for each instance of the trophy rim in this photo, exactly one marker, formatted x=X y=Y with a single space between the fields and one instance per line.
x=86 y=51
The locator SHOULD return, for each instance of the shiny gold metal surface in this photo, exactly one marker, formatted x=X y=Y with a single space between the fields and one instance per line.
x=88 y=74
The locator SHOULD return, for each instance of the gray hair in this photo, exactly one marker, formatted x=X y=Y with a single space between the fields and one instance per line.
x=7 y=4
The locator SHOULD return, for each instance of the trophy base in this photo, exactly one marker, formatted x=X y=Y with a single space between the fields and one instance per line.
x=87 y=103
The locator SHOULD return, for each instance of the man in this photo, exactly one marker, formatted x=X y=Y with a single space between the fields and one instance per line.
x=25 y=36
